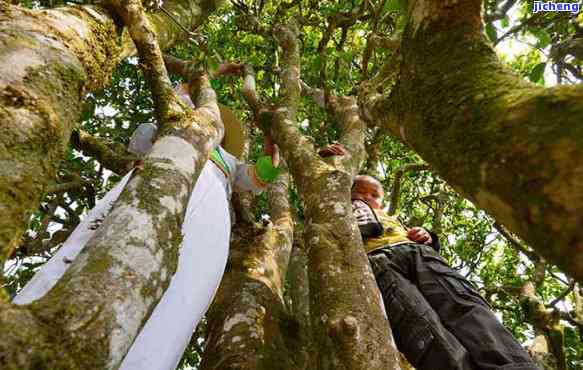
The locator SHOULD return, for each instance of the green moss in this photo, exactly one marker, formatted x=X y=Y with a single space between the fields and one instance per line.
x=50 y=97
x=486 y=130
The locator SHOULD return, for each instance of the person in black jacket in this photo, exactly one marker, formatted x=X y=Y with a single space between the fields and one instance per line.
x=439 y=321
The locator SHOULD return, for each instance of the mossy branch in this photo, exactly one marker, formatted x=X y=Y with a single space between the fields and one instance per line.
x=166 y=103
x=513 y=148
x=82 y=46
x=252 y=291
x=112 y=156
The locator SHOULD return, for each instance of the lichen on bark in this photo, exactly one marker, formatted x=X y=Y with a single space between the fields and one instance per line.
x=350 y=334
x=111 y=288
x=513 y=148
x=49 y=59
x=249 y=323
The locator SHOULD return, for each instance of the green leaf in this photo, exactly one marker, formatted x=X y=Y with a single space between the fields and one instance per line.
x=346 y=56
x=537 y=72
x=505 y=22
x=213 y=62
x=491 y=32
x=318 y=61
x=544 y=39
x=393 y=6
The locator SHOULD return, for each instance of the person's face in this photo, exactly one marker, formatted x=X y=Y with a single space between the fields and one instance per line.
x=370 y=192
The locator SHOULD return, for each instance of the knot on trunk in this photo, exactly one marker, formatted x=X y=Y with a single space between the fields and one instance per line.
x=345 y=327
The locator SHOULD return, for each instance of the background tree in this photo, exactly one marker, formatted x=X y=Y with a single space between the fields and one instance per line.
x=347 y=49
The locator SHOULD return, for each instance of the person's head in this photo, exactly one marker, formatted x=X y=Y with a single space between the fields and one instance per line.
x=368 y=189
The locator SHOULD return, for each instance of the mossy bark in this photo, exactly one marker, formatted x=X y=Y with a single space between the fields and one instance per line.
x=299 y=297
x=111 y=155
x=349 y=333
x=48 y=60
x=249 y=324
x=110 y=289
x=114 y=284
x=513 y=148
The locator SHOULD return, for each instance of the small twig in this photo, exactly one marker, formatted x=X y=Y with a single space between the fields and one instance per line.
x=563 y=294
x=518 y=27
x=516 y=243
x=396 y=189
x=195 y=37
x=113 y=156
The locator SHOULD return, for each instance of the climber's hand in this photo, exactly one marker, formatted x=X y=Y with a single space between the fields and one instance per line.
x=230 y=69
x=271 y=149
x=331 y=150
x=419 y=235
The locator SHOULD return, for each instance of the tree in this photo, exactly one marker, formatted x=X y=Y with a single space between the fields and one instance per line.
x=62 y=54
x=298 y=290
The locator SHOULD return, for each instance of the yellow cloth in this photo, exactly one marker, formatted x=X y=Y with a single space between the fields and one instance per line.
x=394 y=232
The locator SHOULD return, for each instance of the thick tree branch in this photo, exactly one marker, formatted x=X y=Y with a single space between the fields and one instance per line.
x=166 y=102
x=299 y=293
x=251 y=292
x=128 y=264
x=337 y=262
x=40 y=101
x=112 y=156
x=287 y=36
x=516 y=153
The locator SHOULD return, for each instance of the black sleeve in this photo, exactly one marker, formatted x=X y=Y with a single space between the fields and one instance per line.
x=368 y=223
x=434 y=241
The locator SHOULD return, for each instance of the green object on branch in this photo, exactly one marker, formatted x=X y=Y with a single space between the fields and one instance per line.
x=266 y=171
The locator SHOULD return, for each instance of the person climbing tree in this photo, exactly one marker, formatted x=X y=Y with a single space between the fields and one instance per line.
x=438 y=319
x=203 y=253
x=436 y=315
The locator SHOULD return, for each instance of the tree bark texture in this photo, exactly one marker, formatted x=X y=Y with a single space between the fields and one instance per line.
x=250 y=326
x=111 y=288
x=349 y=333
x=114 y=284
x=299 y=298
x=48 y=60
x=513 y=148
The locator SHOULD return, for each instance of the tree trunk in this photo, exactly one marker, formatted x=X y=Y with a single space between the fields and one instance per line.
x=49 y=59
x=250 y=326
x=349 y=333
x=299 y=297
x=111 y=288
x=514 y=148
x=114 y=284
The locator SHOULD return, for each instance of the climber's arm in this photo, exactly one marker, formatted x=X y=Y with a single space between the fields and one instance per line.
x=255 y=177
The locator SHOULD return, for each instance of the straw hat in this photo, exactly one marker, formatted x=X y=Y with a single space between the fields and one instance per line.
x=234 y=139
